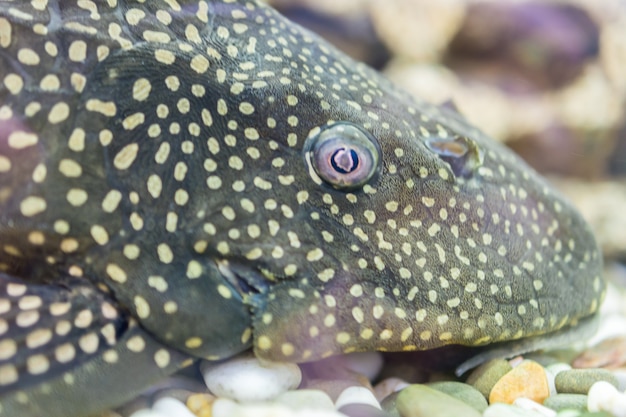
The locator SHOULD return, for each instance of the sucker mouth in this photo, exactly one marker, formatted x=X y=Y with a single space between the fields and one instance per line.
x=248 y=282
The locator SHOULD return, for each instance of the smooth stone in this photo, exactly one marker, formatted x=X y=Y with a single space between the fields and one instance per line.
x=552 y=386
x=464 y=392
x=388 y=386
x=310 y=399
x=172 y=407
x=356 y=395
x=333 y=387
x=486 y=375
x=568 y=413
x=620 y=374
x=367 y=364
x=200 y=404
x=245 y=378
x=507 y=410
x=527 y=380
x=603 y=396
x=146 y=412
x=530 y=405
x=555 y=368
x=362 y=410
x=389 y=404
x=579 y=381
x=224 y=407
x=560 y=402
x=422 y=401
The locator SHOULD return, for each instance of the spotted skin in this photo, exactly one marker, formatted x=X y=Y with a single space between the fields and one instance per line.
x=157 y=205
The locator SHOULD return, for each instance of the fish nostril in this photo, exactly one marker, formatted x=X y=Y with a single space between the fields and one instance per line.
x=462 y=154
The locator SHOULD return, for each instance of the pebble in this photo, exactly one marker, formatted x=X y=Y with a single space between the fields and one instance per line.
x=579 y=381
x=388 y=386
x=263 y=380
x=200 y=404
x=362 y=410
x=603 y=396
x=356 y=395
x=172 y=407
x=146 y=412
x=530 y=405
x=224 y=407
x=422 y=401
x=463 y=392
x=566 y=401
x=306 y=399
x=389 y=404
x=367 y=364
x=527 y=380
x=485 y=376
x=506 y=410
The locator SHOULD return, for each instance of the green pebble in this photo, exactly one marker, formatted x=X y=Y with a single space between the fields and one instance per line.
x=566 y=402
x=389 y=405
x=579 y=381
x=464 y=392
x=569 y=413
x=486 y=375
x=422 y=401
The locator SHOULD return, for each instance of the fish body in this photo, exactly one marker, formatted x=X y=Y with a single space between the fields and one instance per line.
x=189 y=179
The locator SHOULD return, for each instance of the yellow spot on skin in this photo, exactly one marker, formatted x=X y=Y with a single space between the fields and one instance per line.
x=116 y=273
x=224 y=291
x=65 y=353
x=20 y=140
x=141 y=89
x=162 y=358
x=99 y=234
x=106 y=108
x=37 y=364
x=264 y=343
x=164 y=56
x=142 y=307
x=32 y=206
x=136 y=344
x=77 y=51
x=165 y=253
x=89 y=343
x=125 y=157
x=193 y=342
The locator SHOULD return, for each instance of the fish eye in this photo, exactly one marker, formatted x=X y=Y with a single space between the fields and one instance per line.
x=343 y=155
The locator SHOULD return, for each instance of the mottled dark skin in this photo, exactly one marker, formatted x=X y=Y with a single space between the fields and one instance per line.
x=159 y=203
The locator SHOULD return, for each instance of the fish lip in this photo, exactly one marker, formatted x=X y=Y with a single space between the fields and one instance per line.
x=249 y=283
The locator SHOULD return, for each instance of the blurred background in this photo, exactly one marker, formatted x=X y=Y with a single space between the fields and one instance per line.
x=546 y=77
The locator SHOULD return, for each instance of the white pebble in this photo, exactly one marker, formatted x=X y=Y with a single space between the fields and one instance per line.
x=603 y=396
x=356 y=395
x=245 y=378
x=620 y=374
x=146 y=412
x=306 y=399
x=223 y=407
x=555 y=368
x=172 y=407
x=368 y=364
x=528 y=404
x=505 y=410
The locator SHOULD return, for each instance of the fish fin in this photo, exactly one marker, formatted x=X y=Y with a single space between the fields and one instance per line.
x=68 y=349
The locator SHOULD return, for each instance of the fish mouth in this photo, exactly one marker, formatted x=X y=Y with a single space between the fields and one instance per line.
x=250 y=283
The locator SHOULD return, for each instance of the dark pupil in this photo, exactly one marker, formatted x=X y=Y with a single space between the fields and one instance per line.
x=344 y=160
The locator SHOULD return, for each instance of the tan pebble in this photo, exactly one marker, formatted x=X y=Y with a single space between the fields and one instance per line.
x=201 y=404
x=528 y=380
x=388 y=386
